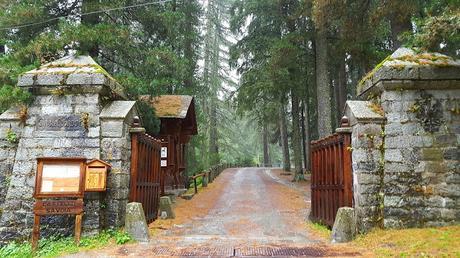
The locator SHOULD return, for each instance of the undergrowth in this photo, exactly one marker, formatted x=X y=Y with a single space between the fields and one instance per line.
x=58 y=245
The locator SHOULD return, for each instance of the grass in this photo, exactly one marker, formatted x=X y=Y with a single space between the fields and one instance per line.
x=414 y=242
x=319 y=230
x=423 y=242
x=56 y=245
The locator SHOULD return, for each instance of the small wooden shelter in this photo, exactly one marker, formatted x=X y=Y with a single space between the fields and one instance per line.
x=178 y=125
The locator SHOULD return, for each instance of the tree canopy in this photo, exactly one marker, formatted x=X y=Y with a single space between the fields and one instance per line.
x=268 y=75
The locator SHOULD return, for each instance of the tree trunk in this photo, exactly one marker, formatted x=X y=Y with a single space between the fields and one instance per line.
x=267 y=160
x=342 y=83
x=306 y=132
x=322 y=85
x=303 y=136
x=340 y=91
x=190 y=161
x=189 y=52
x=213 y=136
x=284 y=139
x=296 y=140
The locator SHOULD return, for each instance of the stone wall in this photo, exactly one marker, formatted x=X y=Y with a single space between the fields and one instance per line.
x=413 y=178
x=10 y=121
x=367 y=162
x=38 y=138
x=422 y=173
x=75 y=113
x=116 y=120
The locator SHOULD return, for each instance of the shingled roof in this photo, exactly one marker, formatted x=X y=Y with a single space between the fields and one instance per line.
x=169 y=106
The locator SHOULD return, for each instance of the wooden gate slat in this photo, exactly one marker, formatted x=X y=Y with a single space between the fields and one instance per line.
x=331 y=180
x=145 y=172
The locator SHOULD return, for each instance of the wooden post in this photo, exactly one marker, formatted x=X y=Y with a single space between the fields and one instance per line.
x=35 y=232
x=194 y=182
x=78 y=219
x=347 y=172
x=135 y=130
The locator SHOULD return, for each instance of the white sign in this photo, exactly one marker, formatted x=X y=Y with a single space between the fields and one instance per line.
x=164 y=163
x=164 y=152
x=60 y=178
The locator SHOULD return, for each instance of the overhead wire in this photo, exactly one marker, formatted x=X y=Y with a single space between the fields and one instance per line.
x=19 y=26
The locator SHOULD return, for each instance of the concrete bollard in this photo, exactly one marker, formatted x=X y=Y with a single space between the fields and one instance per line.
x=344 y=229
x=135 y=223
x=166 y=211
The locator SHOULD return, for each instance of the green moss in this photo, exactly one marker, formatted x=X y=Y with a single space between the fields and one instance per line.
x=97 y=69
x=371 y=73
x=59 y=91
x=419 y=59
x=414 y=108
x=432 y=154
x=376 y=108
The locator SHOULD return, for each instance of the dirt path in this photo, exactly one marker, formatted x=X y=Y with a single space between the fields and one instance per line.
x=244 y=212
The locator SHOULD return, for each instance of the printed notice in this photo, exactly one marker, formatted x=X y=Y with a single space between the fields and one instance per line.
x=164 y=152
x=47 y=186
x=60 y=178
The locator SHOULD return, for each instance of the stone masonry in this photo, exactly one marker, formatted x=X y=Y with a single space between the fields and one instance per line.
x=413 y=178
x=366 y=141
x=78 y=111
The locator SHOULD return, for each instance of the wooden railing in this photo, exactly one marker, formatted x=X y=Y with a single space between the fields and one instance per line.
x=331 y=180
x=145 y=171
x=196 y=176
x=209 y=176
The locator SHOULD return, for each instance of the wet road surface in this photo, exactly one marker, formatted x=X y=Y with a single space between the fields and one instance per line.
x=244 y=212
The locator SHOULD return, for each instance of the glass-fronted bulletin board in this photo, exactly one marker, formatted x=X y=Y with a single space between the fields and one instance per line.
x=60 y=177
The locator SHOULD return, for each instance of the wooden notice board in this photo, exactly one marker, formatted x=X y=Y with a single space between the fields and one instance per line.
x=59 y=177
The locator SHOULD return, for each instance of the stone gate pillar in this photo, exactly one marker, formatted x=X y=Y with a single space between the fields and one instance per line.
x=419 y=94
x=78 y=111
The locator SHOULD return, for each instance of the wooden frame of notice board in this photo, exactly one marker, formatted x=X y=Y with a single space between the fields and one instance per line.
x=59 y=178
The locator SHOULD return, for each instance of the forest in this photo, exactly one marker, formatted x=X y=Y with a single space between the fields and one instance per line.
x=268 y=76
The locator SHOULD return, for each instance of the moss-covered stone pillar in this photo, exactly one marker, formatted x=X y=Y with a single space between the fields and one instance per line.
x=419 y=94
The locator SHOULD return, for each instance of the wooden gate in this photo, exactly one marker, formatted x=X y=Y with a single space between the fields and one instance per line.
x=145 y=172
x=331 y=178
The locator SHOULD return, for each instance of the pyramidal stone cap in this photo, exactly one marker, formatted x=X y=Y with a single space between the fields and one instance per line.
x=407 y=65
x=71 y=71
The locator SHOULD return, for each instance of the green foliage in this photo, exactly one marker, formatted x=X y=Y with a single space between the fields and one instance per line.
x=122 y=237
x=11 y=136
x=155 y=44
x=147 y=115
x=9 y=72
x=19 y=250
x=10 y=96
x=245 y=162
x=439 y=33
x=57 y=245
